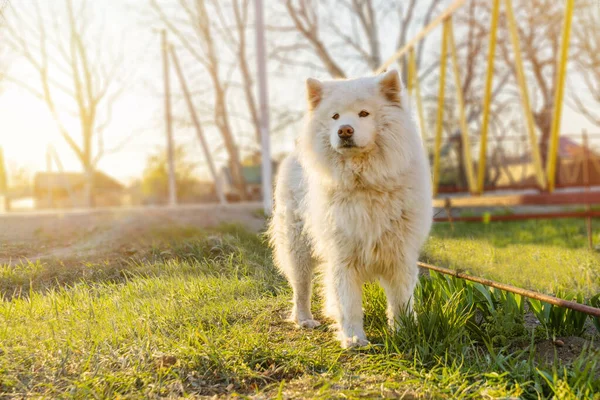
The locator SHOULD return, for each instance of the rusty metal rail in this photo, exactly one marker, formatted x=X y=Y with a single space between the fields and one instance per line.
x=513 y=289
x=541 y=199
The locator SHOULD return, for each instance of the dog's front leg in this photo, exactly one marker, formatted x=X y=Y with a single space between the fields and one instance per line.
x=399 y=286
x=343 y=297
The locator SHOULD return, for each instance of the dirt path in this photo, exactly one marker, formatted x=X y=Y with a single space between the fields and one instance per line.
x=91 y=233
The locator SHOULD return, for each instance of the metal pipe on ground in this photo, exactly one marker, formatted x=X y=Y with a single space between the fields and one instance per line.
x=513 y=289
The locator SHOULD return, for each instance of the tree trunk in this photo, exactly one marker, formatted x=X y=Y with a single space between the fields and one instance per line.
x=543 y=120
x=245 y=69
x=221 y=112
x=234 y=156
x=88 y=187
x=462 y=172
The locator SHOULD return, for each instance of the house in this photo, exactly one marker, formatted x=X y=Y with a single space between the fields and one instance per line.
x=188 y=192
x=571 y=162
x=577 y=165
x=67 y=190
x=253 y=177
x=513 y=171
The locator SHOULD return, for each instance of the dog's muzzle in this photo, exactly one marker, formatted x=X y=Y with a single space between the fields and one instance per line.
x=347 y=143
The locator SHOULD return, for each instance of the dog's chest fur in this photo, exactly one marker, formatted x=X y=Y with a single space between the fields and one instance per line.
x=355 y=212
x=366 y=226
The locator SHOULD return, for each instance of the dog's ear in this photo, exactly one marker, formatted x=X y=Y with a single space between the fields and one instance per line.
x=314 y=92
x=390 y=86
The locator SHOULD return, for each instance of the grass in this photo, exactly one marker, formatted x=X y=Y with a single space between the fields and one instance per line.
x=199 y=313
x=543 y=255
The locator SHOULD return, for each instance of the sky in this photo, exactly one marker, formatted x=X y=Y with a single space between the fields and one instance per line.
x=27 y=127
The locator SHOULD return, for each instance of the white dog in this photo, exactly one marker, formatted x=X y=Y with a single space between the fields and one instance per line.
x=355 y=198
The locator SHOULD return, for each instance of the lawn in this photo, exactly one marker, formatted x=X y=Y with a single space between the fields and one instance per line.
x=542 y=255
x=202 y=313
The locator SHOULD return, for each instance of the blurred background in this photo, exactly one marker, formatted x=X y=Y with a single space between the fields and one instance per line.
x=84 y=116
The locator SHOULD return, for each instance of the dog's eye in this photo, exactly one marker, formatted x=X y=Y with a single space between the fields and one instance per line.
x=336 y=116
x=363 y=114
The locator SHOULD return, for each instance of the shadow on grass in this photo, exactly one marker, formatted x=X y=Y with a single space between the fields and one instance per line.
x=228 y=250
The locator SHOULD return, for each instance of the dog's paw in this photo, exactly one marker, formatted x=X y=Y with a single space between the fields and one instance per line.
x=308 y=323
x=394 y=325
x=354 y=341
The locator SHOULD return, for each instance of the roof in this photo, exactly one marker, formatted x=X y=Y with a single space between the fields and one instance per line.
x=252 y=173
x=568 y=148
x=74 y=180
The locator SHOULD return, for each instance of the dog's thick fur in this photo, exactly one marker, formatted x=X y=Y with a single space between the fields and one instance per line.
x=361 y=208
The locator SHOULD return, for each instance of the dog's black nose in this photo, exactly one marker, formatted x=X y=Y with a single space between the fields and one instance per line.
x=345 y=131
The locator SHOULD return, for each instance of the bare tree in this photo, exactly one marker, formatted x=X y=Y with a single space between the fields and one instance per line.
x=352 y=33
x=472 y=36
x=540 y=24
x=193 y=27
x=407 y=17
x=350 y=40
x=586 y=54
x=539 y=27
x=236 y=38
x=72 y=80
x=306 y=22
x=540 y=31
x=3 y=57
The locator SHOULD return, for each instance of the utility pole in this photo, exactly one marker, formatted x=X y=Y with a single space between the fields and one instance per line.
x=196 y=121
x=168 y=122
x=263 y=93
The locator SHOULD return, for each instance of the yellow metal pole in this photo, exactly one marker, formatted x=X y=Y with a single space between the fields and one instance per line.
x=440 y=111
x=535 y=151
x=487 y=97
x=464 y=126
x=419 y=101
x=419 y=36
x=412 y=65
x=559 y=94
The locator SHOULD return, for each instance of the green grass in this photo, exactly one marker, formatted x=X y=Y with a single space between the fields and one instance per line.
x=202 y=313
x=544 y=255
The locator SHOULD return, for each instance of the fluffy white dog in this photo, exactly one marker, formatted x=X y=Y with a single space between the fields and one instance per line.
x=354 y=198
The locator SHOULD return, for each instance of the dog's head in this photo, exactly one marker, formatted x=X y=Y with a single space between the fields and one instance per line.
x=364 y=119
x=349 y=111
